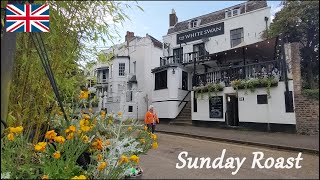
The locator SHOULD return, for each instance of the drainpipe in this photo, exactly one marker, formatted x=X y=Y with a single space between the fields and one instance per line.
x=266 y=19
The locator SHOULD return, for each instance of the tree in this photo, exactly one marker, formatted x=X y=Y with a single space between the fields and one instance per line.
x=72 y=24
x=300 y=21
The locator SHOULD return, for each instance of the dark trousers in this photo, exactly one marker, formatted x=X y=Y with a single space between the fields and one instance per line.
x=151 y=127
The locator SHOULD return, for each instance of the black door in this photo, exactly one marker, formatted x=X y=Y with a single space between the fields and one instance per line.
x=232 y=115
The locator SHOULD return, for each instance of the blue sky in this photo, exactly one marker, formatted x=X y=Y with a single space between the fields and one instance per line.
x=155 y=18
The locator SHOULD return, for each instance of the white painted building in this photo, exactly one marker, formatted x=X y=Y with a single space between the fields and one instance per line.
x=218 y=48
x=125 y=83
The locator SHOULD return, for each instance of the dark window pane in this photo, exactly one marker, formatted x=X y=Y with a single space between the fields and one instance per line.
x=262 y=99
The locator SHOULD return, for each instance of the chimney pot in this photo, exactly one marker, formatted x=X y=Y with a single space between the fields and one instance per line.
x=173 y=19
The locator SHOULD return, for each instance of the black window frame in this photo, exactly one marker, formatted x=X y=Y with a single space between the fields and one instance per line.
x=235 y=35
x=262 y=99
x=130 y=108
x=161 y=80
x=177 y=57
x=122 y=69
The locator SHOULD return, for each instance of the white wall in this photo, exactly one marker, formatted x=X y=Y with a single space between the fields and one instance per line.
x=249 y=110
x=252 y=22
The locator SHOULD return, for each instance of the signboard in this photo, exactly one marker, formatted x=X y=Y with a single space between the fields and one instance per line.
x=205 y=32
x=216 y=107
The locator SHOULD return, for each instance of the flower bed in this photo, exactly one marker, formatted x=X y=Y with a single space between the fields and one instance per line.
x=252 y=84
x=94 y=146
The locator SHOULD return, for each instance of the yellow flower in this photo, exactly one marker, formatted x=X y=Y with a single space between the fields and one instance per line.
x=10 y=136
x=129 y=128
x=79 y=177
x=70 y=136
x=84 y=94
x=103 y=116
x=90 y=109
x=59 y=139
x=154 y=137
x=142 y=141
x=119 y=113
x=145 y=128
x=134 y=158
x=17 y=130
x=99 y=157
x=123 y=159
x=57 y=154
x=85 y=128
x=154 y=145
x=102 y=166
x=45 y=177
x=110 y=121
x=50 y=134
x=86 y=116
x=41 y=146
x=85 y=138
x=102 y=113
x=71 y=129
x=84 y=122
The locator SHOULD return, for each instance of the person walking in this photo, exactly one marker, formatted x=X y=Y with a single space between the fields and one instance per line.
x=151 y=119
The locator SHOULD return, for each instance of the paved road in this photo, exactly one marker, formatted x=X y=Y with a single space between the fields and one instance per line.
x=161 y=163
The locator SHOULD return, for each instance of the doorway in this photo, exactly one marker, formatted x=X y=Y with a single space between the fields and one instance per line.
x=232 y=112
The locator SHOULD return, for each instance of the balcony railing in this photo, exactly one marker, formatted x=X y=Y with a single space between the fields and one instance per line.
x=228 y=74
x=183 y=58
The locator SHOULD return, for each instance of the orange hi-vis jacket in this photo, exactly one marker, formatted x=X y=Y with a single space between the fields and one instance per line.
x=148 y=119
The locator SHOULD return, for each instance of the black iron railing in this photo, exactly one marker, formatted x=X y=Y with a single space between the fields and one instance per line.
x=184 y=58
x=228 y=74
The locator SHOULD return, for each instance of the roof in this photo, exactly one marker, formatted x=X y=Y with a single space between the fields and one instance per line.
x=218 y=15
x=155 y=42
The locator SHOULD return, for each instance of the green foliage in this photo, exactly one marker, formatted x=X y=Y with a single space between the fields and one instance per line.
x=252 y=84
x=300 y=21
x=209 y=88
x=311 y=93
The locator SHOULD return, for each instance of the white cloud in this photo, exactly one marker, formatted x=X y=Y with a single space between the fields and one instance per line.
x=274 y=9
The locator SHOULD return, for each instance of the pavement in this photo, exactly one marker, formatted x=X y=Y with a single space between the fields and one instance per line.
x=162 y=163
x=284 y=141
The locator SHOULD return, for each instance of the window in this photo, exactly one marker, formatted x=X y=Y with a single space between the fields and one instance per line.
x=195 y=104
x=161 y=80
x=262 y=99
x=235 y=11
x=177 y=55
x=184 y=80
x=194 y=23
x=236 y=37
x=104 y=75
x=228 y=13
x=130 y=109
x=121 y=69
x=111 y=71
x=200 y=49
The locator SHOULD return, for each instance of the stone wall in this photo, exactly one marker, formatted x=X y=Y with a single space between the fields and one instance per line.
x=306 y=109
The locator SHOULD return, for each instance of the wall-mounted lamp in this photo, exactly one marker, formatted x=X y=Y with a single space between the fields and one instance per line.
x=173 y=71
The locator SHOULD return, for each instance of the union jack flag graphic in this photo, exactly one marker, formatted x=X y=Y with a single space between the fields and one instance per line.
x=27 y=18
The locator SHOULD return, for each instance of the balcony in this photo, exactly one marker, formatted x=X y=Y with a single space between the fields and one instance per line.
x=228 y=74
x=185 y=58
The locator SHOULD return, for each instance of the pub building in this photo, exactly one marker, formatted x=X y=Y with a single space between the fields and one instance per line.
x=224 y=53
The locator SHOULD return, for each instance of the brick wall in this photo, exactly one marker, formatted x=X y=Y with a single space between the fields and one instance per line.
x=306 y=109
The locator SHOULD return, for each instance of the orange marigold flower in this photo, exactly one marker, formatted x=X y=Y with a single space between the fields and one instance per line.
x=154 y=145
x=41 y=146
x=10 y=136
x=102 y=166
x=71 y=129
x=86 y=116
x=123 y=159
x=50 y=134
x=16 y=130
x=85 y=138
x=56 y=154
x=99 y=157
x=154 y=137
x=59 y=139
x=97 y=144
x=142 y=141
x=134 y=158
x=79 y=177
x=70 y=136
x=45 y=177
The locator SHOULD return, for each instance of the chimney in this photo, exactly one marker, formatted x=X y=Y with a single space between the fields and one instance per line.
x=173 y=19
x=129 y=36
